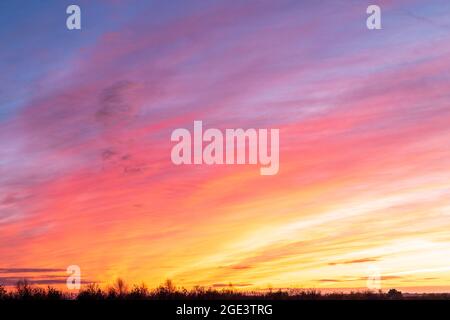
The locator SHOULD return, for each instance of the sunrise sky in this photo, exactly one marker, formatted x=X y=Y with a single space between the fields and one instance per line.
x=364 y=116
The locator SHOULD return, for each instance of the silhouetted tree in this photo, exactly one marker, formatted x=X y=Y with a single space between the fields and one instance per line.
x=3 y=293
x=54 y=294
x=169 y=285
x=121 y=287
x=139 y=292
x=394 y=294
x=91 y=292
x=168 y=291
x=24 y=290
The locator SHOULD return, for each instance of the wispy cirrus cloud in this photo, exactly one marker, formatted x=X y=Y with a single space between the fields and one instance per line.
x=85 y=175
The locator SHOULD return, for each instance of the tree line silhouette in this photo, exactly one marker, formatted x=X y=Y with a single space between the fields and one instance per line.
x=168 y=291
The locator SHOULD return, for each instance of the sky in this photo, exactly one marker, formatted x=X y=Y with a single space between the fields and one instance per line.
x=86 y=117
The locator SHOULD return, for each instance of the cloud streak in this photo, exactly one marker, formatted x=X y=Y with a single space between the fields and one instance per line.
x=85 y=170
